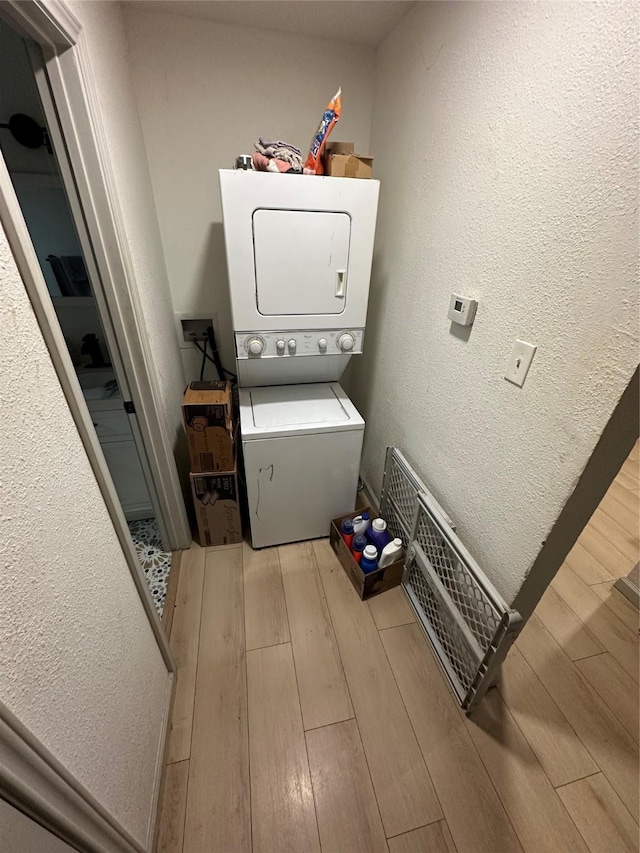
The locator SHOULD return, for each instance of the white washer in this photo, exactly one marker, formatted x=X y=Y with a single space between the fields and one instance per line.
x=302 y=447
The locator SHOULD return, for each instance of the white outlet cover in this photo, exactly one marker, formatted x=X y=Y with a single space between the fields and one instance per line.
x=520 y=362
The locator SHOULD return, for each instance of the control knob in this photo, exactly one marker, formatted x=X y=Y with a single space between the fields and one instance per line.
x=254 y=345
x=280 y=345
x=346 y=342
x=322 y=344
x=292 y=346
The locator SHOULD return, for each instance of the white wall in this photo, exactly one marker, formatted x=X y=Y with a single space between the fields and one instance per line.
x=506 y=140
x=79 y=664
x=108 y=49
x=206 y=91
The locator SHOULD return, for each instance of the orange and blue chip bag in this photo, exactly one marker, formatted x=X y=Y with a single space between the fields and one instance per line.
x=313 y=163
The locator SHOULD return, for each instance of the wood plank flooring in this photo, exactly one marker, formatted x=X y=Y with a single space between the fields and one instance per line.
x=281 y=796
x=306 y=720
x=348 y=816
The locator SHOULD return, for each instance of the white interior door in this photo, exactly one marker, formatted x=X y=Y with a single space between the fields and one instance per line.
x=301 y=261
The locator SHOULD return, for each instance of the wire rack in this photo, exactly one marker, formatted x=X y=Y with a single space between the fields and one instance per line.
x=468 y=624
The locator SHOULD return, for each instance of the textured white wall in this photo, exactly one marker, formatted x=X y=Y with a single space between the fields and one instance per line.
x=506 y=140
x=206 y=91
x=79 y=665
x=106 y=39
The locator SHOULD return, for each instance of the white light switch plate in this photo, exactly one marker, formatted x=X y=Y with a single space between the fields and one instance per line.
x=520 y=362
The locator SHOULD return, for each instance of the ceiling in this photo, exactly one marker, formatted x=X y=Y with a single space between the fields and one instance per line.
x=356 y=21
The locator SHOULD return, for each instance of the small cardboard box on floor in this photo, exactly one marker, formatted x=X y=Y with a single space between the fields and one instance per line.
x=366 y=585
x=207 y=410
x=216 y=499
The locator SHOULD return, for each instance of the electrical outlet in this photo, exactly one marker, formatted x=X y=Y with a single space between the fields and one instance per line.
x=190 y=325
x=520 y=362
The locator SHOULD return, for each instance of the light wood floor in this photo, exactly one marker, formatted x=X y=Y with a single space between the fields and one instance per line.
x=306 y=720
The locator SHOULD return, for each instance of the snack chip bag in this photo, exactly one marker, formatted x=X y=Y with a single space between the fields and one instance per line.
x=313 y=163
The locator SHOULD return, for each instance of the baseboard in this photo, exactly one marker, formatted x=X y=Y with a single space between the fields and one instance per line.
x=172 y=593
x=629 y=590
x=163 y=751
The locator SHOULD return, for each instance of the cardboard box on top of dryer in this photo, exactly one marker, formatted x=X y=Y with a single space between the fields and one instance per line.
x=216 y=499
x=207 y=409
x=366 y=584
x=340 y=161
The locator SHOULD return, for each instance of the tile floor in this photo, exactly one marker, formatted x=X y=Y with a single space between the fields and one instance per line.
x=155 y=561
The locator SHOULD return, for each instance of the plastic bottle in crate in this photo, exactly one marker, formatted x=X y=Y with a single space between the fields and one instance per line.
x=360 y=524
x=377 y=533
x=357 y=547
x=347 y=531
x=369 y=560
x=390 y=553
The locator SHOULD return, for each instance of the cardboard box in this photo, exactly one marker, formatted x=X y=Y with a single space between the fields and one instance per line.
x=208 y=421
x=348 y=166
x=366 y=585
x=216 y=499
x=340 y=148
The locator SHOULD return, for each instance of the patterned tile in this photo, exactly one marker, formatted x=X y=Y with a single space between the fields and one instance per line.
x=154 y=560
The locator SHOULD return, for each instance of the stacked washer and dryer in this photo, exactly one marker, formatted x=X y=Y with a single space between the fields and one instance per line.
x=299 y=252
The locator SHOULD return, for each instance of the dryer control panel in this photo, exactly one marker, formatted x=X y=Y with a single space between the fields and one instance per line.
x=288 y=344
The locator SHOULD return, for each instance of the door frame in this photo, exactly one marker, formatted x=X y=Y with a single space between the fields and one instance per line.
x=37 y=784
x=30 y=777
x=67 y=89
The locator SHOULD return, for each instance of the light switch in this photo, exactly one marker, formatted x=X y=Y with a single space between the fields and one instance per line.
x=520 y=362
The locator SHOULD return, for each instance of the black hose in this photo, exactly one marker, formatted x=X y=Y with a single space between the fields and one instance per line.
x=204 y=360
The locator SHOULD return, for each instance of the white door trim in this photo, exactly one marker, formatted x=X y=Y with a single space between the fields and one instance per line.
x=69 y=79
x=37 y=784
x=50 y=22
x=30 y=777
x=91 y=263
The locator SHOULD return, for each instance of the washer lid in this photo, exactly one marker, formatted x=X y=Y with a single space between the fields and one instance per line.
x=272 y=411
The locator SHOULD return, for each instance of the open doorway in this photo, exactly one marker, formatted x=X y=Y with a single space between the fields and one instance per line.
x=31 y=158
x=591 y=605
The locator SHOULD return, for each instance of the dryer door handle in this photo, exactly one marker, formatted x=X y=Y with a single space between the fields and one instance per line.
x=340 y=283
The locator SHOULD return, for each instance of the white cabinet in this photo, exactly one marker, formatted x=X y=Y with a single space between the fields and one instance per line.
x=111 y=423
x=116 y=439
x=124 y=464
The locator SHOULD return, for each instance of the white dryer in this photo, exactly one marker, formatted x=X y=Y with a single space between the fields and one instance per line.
x=299 y=252
x=302 y=447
